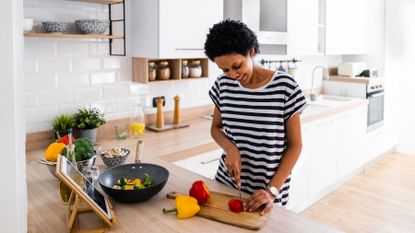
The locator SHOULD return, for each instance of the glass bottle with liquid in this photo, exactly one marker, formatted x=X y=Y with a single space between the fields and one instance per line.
x=137 y=121
x=64 y=190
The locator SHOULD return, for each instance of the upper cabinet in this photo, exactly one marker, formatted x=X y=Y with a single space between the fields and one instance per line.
x=345 y=30
x=282 y=26
x=302 y=27
x=173 y=29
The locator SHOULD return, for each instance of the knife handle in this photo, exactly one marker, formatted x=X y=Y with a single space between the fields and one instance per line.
x=174 y=194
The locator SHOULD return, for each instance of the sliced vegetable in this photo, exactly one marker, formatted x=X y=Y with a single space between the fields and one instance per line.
x=236 y=205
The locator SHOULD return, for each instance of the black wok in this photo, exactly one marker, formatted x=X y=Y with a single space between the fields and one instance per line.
x=109 y=178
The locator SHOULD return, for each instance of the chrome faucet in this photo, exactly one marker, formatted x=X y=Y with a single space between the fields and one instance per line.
x=313 y=95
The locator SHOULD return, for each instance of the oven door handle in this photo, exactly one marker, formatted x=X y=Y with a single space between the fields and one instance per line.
x=377 y=94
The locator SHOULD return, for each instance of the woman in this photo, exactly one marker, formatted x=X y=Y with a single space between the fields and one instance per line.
x=256 y=119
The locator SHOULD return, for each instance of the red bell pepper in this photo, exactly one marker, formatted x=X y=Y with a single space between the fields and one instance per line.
x=65 y=139
x=235 y=205
x=200 y=192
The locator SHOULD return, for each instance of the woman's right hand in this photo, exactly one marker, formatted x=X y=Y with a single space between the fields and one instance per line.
x=233 y=163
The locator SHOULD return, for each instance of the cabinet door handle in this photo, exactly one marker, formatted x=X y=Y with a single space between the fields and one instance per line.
x=190 y=49
x=209 y=161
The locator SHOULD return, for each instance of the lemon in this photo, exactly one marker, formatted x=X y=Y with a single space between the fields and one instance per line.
x=137 y=129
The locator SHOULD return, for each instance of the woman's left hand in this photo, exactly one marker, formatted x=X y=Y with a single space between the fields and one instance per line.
x=259 y=198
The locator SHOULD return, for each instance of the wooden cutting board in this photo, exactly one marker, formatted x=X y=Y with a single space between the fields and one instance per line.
x=216 y=208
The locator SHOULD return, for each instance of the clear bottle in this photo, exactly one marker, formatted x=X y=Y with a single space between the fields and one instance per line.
x=185 y=69
x=195 y=69
x=163 y=70
x=151 y=71
x=64 y=190
x=137 y=121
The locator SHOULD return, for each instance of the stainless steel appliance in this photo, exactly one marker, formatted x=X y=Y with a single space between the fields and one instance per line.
x=371 y=89
x=376 y=107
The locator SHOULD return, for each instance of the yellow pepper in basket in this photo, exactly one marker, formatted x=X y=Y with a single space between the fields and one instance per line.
x=186 y=207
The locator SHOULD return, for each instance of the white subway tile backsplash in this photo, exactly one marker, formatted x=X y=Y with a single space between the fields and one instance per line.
x=99 y=48
x=33 y=47
x=112 y=63
x=63 y=75
x=31 y=100
x=115 y=91
x=40 y=115
x=139 y=89
x=39 y=81
x=73 y=80
x=88 y=94
x=86 y=64
x=55 y=64
x=55 y=98
x=75 y=48
x=103 y=77
x=38 y=14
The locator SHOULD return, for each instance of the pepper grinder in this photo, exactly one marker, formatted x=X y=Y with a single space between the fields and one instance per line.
x=160 y=117
x=176 y=117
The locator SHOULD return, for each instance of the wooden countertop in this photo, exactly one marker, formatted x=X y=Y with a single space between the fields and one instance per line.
x=48 y=214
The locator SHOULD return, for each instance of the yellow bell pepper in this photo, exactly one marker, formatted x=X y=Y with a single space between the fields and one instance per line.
x=186 y=207
x=53 y=150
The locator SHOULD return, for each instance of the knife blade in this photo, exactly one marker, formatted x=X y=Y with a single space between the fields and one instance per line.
x=240 y=197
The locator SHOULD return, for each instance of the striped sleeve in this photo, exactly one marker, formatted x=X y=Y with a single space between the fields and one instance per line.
x=214 y=93
x=296 y=101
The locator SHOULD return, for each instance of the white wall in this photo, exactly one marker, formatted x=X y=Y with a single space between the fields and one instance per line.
x=400 y=56
x=13 y=197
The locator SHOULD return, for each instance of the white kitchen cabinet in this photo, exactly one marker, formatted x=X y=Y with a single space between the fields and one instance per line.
x=173 y=29
x=345 y=26
x=302 y=27
x=323 y=154
x=299 y=186
x=351 y=153
x=205 y=164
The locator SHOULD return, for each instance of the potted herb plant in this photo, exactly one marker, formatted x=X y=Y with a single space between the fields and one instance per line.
x=87 y=121
x=62 y=124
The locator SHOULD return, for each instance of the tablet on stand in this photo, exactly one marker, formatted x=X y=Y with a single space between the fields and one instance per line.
x=85 y=197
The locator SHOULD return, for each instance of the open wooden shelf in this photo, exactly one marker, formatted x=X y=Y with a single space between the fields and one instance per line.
x=140 y=69
x=80 y=36
x=101 y=1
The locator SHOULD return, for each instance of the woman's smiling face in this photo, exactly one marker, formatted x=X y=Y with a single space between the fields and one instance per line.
x=236 y=66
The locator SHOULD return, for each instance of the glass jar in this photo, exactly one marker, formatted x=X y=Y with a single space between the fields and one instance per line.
x=151 y=71
x=163 y=70
x=137 y=121
x=195 y=69
x=185 y=69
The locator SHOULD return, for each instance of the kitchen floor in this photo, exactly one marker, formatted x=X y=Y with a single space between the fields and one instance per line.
x=380 y=200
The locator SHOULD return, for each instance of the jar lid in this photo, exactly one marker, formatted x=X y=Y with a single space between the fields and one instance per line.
x=164 y=63
x=196 y=62
x=184 y=62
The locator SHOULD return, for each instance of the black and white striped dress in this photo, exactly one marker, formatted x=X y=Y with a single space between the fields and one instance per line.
x=254 y=119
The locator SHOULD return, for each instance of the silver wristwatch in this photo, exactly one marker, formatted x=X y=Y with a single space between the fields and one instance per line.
x=273 y=190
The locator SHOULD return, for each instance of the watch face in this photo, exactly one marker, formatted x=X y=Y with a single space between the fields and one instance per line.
x=273 y=190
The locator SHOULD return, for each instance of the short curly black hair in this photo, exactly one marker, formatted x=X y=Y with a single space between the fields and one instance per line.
x=230 y=36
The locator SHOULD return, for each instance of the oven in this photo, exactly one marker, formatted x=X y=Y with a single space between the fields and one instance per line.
x=376 y=109
x=371 y=89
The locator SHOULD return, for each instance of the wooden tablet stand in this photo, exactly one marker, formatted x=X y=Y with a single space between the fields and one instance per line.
x=76 y=206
